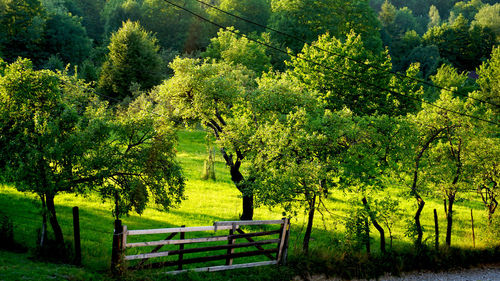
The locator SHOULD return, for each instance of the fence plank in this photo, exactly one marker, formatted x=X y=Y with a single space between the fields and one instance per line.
x=219 y=224
x=147 y=256
x=211 y=258
x=157 y=248
x=257 y=245
x=200 y=240
x=224 y=267
x=202 y=249
x=177 y=229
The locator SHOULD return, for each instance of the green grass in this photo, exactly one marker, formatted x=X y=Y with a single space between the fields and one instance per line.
x=21 y=267
x=209 y=201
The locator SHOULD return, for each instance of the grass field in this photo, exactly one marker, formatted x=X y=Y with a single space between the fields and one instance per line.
x=209 y=201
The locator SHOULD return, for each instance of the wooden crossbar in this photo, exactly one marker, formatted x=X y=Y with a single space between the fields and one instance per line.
x=277 y=253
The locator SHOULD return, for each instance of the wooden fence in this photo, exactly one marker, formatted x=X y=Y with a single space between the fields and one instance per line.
x=236 y=239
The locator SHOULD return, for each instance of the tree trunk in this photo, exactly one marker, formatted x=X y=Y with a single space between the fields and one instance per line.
x=375 y=224
x=238 y=179
x=43 y=235
x=420 y=234
x=247 y=208
x=49 y=198
x=310 y=219
x=449 y=218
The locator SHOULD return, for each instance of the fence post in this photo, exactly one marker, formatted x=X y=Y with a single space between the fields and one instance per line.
x=181 y=247
x=283 y=240
x=472 y=224
x=76 y=234
x=436 y=230
x=229 y=261
x=116 y=252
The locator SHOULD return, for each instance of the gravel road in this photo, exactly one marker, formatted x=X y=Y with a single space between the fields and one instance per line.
x=482 y=273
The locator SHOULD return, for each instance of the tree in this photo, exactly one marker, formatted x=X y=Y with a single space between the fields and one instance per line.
x=59 y=137
x=209 y=93
x=342 y=81
x=133 y=59
x=238 y=50
x=463 y=45
x=387 y=13
x=48 y=124
x=138 y=161
x=257 y=11
x=307 y=19
x=65 y=36
x=489 y=16
x=290 y=168
x=467 y=9
x=434 y=18
x=21 y=29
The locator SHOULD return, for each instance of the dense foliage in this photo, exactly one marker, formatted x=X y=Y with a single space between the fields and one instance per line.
x=354 y=96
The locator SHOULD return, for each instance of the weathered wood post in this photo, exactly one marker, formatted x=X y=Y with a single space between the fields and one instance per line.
x=436 y=230
x=181 y=247
x=116 y=252
x=472 y=224
x=76 y=234
x=282 y=246
x=230 y=250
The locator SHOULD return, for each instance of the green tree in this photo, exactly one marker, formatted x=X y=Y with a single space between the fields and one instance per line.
x=65 y=36
x=467 y=9
x=387 y=13
x=210 y=93
x=307 y=19
x=341 y=82
x=56 y=136
x=434 y=18
x=238 y=50
x=21 y=29
x=48 y=126
x=464 y=46
x=489 y=16
x=257 y=11
x=290 y=168
x=133 y=59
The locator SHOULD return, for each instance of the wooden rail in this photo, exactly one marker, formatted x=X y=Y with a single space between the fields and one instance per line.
x=236 y=239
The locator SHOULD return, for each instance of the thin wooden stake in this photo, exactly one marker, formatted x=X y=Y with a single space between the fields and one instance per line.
x=436 y=230
x=181 y=247
x=472 y=224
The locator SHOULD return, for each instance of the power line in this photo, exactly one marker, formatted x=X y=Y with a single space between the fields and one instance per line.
x=400 y=75
x=330 y=68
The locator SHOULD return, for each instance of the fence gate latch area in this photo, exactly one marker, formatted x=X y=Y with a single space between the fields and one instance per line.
x=245 y=244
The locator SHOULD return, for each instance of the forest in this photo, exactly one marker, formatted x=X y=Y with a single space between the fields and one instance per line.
x=347 y=116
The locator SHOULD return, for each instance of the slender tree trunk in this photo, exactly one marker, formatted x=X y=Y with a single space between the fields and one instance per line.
x=49 y=198
x=43 y=235
x=310 y=219
x=375 y=224
x=449 y=218
x=420 y=234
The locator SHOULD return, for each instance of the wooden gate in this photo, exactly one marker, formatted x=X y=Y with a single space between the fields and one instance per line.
x=271 y=244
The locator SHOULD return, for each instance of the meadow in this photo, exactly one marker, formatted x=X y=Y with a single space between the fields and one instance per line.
x=209 y=201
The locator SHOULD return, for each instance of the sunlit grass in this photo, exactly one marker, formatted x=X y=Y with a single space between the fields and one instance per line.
x=209 y=201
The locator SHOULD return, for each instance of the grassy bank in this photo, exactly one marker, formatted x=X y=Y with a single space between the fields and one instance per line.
x=209 y=201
